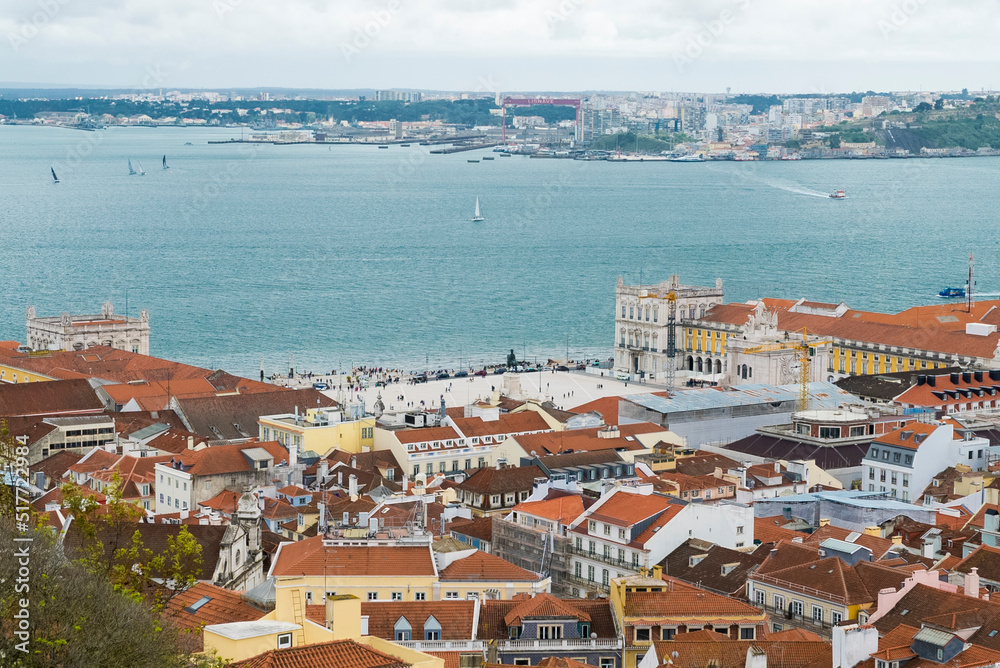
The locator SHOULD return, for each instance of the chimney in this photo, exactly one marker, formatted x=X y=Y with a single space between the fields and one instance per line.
x=994 y=374
x=921 y=379
x=978 y=376
x=897 y=540
x=353 y=483
x=354 y=462
x=777 y=467
x=657 y=572
x=190 y=442
x=931 y=380
x=853 y=644
x=824 y=521
x=972 y=583
x=873 y=531
x=323 y=470
x=966 y=377
x=343 y=616
x=954 y=379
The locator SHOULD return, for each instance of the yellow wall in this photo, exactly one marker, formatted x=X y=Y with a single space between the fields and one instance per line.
x=8 y=373
x=405 y=655
x=237 y=650
x=346 y=436
x=384 y=586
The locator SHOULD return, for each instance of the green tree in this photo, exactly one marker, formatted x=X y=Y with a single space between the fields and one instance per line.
x=834 y=141
x=923 y=106
x=793 y=143
x=939 y=103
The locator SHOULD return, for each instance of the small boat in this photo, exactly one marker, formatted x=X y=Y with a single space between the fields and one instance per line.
x=695 y=157
x=505 y=155
x=838 y=194
x=187 y=143
x=488 y=157
x=55 y=179
x=472 y=160
x=405 y=145
x=477 y=216
x=131 y=172
x=165 y=163
x=383 y=147
x=949 y=293
x=142 y=172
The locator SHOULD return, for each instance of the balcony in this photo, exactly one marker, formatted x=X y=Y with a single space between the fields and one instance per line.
x=599 y=556
x=785 y=615
x=585 y=584
x=801 y=589
x=563 y=644
x=444 y=645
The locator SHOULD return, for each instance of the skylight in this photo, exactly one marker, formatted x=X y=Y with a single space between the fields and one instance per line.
x=197 y=604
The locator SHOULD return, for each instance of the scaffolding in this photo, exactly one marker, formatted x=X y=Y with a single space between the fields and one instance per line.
x=534 y=550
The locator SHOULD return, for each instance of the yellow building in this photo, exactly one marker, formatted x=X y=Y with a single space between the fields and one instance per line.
x=864 y=342
x=337 y=641
x=389 y=570
x=650 y=608
x=319 y=430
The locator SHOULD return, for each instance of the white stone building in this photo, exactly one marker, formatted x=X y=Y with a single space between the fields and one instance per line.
x=641 y=324
x=77 y=332
x=904 y=462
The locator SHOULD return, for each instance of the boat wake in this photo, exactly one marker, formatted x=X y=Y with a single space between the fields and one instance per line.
x=787 y=186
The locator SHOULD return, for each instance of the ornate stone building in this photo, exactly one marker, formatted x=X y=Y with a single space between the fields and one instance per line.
x=77 y=332
x=641 y=319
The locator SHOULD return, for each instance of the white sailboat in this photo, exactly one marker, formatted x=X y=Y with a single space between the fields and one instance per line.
x=131 y=172
x=477 y=216
x=165 y=165
x=142 y=172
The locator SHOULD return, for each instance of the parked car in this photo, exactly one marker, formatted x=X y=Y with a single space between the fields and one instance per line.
x=562 y=367
x=481 y=372
x=320 y=386
x=581 y=367
x=420 y=379
x=499 y=370
x=461 y=374
x=442 y=375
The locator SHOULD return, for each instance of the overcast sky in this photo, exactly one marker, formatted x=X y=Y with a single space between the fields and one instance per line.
x=505 y=45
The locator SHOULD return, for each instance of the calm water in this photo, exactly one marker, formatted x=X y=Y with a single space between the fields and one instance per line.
x=367 y=256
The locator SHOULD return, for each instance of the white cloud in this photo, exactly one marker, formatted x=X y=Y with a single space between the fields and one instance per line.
x=537 y=44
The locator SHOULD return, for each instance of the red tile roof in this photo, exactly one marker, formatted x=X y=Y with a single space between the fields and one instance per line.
x=335 y=654
x=627 y=509
x=71 y=397
x=224 y=458
x=312 y=557
x=483 y=567
x=224 y=606
x=544 y=606
x=425 y=434
x=562 y=509
x=907 y=437
x=508 y=423
x=493 y=612
x=606 y=406
x=682 y=601
x=454 y=617
x=576 y=440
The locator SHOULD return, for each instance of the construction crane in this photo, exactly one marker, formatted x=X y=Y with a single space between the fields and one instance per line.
x=805 y=350
x=671 y=347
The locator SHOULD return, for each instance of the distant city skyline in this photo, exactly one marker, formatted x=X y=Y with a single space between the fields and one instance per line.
x=782 y=46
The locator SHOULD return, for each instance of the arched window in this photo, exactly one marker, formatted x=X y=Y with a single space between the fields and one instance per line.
x=402 y=629
x=656 y=314
x=432 y=629
x=623 y=310
x=647 y=314
x=631 y=312
x=718 y=366
x=623 y=336
x=236 y=561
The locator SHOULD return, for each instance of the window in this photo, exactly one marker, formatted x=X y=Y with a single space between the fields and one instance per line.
x=667 y=632
x=373 y=596
x=759 y=597
x=906 y=480
x=739 y=530
x=549 y=632
x=871 y=473
x=817 y=614
x=621 y=534
x=396 y=596
x=746 y=633
x=522 y=662
x=874 y=453
x=284 y=640
x=590 y=573
x=402 y=629
x=592 y=526
x=420 y=596
x=604 y=578
x=578 y=569
x=451 y=594
x=835 y=617
x=797 y=608
x=607 y=662
x=895 y=457
x=829 y=432
x=779 y=602
x=908 y=459
x=432 y=628
x=642 y=634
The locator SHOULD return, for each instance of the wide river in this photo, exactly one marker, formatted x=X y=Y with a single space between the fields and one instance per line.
x=352 y=254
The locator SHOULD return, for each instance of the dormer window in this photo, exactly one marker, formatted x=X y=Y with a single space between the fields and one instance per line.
x=514 y=632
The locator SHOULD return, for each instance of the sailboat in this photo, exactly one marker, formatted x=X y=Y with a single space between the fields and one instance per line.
x=54 y=177
x=142 y=172
x=477 y=216
x=131 y=172
x=165 y=166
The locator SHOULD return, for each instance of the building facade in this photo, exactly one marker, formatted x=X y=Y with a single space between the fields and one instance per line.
x=77 y=332
x=642 y=325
